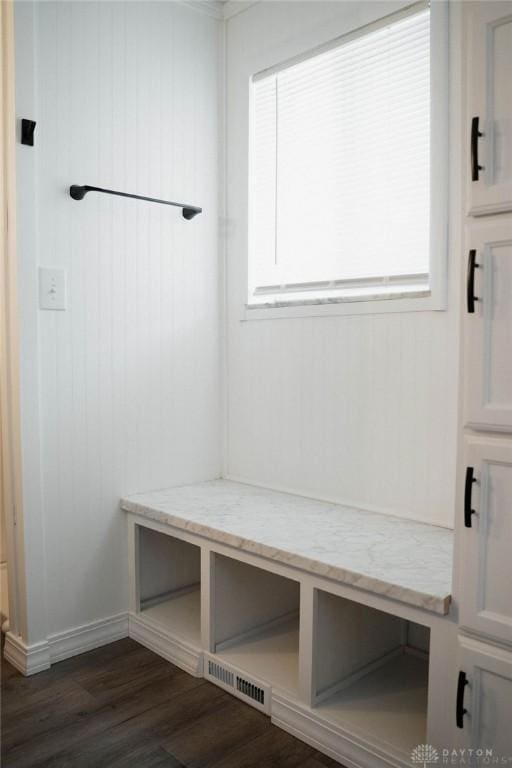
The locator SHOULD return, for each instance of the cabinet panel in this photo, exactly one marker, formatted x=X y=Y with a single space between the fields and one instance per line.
x=486 y=562
x=487 y=699
x=490 y=99
x=488 y=330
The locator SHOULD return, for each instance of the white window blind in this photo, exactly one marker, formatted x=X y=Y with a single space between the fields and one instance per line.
x=340 y=165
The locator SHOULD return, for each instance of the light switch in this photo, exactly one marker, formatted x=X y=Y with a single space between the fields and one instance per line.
x=52 y=288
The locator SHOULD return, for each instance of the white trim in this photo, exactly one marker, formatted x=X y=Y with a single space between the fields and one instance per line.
x=160 y=641
x=488 y=209
x=35 y=657
x=220 y=9
x=440 y=76
x=27 y=559
x=11 y=498
x=86 y=637
x=234 y=7
x=27 y=659
x=483 y=639
x=213 y=8
x=478 y=644
x=344 y=746
x=223 y=259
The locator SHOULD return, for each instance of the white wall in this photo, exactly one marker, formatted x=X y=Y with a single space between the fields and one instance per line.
x=120 y=393
x=357 y=409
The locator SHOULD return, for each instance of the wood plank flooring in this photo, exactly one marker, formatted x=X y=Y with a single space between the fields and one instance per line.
x=123 y=706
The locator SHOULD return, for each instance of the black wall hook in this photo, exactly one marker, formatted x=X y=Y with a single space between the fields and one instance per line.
x=78 y=192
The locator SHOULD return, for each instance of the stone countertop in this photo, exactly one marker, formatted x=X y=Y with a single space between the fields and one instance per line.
x=401 y=559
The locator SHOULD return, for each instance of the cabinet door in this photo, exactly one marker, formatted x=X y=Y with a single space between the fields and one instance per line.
x=488 y=329
x=489 y=87
x=487 y=699
x=486 y=538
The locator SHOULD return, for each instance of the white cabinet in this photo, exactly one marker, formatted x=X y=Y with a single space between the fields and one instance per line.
x=488 y=328
x=489 y=87
x=486 y=538
x=484 y=515
x=485 y=692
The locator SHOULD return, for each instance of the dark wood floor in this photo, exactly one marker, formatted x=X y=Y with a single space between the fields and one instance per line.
x=122 y=705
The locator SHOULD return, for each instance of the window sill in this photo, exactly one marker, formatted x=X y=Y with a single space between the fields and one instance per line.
x=361 y=304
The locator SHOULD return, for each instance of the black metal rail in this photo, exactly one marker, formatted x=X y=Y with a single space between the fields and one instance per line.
x=78 y=192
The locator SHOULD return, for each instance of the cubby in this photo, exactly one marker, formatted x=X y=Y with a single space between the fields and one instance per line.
x=370 y=671
x=256 y=622
x=169 y=583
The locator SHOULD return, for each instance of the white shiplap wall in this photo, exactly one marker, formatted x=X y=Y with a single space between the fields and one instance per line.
x=357 y=409
x=126 y=97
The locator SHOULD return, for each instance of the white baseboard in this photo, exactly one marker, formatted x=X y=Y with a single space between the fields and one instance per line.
x=27 y=659
x=158 y=639
x=78 y=640
x=341 y=745
x=35 y=657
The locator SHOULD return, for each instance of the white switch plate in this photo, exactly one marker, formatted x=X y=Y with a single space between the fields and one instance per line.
x=52 y=288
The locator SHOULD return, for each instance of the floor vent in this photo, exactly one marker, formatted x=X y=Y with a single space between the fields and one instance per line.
x=250 y=690
x=220 y=673
x=253 y=692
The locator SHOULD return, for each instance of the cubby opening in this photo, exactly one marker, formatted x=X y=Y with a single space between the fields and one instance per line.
x=371 y=672
x=169 y=579
x=256 y=622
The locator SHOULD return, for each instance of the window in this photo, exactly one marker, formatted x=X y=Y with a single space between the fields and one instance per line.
x=340 y=169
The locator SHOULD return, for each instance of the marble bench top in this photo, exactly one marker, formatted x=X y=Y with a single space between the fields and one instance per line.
x=401 y=559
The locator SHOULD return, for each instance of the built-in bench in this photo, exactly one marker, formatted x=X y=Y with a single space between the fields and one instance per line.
x=333 y=620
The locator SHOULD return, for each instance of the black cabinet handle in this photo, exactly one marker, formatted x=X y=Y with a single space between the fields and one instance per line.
x=468 y=489
x=460 y=711
x=470 y=282
x=475 y=135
